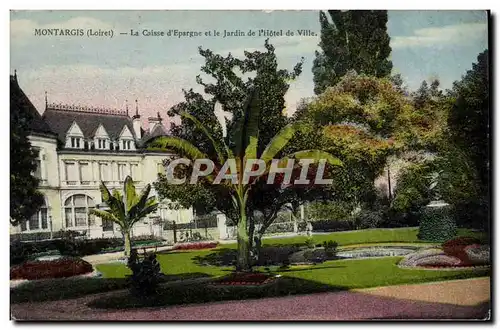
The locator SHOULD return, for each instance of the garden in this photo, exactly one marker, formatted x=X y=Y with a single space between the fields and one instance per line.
x=286 y=266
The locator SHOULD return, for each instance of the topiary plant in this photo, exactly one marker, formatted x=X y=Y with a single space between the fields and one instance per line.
x=437 y=224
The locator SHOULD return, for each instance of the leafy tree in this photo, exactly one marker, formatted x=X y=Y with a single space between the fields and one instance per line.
x=25 y=199
x=354 y=40
x=245 y=137
x=469 y=119
x=127 y=208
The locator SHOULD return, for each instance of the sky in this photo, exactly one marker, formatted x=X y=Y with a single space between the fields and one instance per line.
x=108 y=72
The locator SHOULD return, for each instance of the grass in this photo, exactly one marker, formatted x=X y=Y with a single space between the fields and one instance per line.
x=329 y=276
x=386 y=235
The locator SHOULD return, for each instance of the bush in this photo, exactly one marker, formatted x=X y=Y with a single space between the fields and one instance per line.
x=436 y=224
x=332 y=225
x=145 y=274
x=63 y=267
x=478 y=254
x=278 y=227
x=368 y=219
x=330 y=248
x=309 y=242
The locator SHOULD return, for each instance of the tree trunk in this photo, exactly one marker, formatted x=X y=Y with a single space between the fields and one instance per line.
x=128 y=245
x=243 y=261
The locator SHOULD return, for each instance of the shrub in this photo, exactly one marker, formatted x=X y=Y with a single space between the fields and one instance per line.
x=436 y=224
x=332 y=225
x=368 y=219
x=438 y=260
x=330 y=248
x=278 y=227
x=64 y=267
x=309 y=242
x=145 y=274
x=411 y=260
x=195 y=246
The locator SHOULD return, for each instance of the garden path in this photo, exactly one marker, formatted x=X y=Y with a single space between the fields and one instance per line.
x=459 y=299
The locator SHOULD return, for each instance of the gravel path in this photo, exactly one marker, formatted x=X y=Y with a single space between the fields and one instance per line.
x=463 y=299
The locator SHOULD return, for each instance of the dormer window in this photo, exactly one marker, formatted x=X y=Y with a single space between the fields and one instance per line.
x=75 y=142
x=74 y=137
x=101 y=139
x=101 y=144
x=126 y=139
x=126 y=145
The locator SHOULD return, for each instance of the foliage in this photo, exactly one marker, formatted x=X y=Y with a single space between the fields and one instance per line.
x=309 y=242
x=145 y=274
x=332 y=225
x=412 y=192
x=58 y=268
x=25 y=199
x=354 y=40
x=336 y=210
x=330 y=248
x=464 y=158
x=437 y=224
x=22 y=251
x=368 y=219
x=126 y=209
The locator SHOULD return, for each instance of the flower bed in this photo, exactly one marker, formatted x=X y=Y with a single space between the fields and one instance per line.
x=456 y=248
x=195 y=246
x=59 y=268
x=245 y=279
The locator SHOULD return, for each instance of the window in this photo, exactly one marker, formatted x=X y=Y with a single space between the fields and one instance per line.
x=107 y=225
x=76 y=210
x=37 y=220
x=102 y=144
x=105 y=172
x=123 y=171
x=126 y=145
x=85 y=172
x=72 y=175
x=75 y=142
x=38 y=170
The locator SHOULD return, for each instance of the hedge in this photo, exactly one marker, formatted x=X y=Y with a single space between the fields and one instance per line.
x=437 y=224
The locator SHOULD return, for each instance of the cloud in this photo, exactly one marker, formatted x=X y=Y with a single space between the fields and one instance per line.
x=437 y=36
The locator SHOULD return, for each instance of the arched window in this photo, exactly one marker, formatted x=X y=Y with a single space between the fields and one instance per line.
x=76 y=211
x=37 y=220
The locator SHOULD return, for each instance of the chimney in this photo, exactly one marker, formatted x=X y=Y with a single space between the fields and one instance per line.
x=153 y=121
x=136 y=121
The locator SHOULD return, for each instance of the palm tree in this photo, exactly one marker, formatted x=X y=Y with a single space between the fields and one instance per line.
x=126 y=209
x=245 y=148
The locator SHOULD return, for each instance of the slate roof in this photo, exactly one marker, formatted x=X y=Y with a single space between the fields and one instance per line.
x=19 y=100
x=158 y=130
x=61 y=120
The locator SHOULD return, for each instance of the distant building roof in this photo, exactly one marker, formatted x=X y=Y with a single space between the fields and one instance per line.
x=159 y=130
x=19 y=100
x=60 y=118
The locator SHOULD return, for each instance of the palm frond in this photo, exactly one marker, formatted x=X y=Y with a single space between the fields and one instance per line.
x=182 y=146
x=105 y=215
x=130 y=193
x=202 y=127
x=280 y=140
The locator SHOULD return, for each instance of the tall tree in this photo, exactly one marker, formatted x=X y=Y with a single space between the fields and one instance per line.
x=25 y=199
x=354 y=40
x=246 y=141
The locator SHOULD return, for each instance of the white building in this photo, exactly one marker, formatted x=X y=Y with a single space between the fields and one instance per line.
x=78 y=148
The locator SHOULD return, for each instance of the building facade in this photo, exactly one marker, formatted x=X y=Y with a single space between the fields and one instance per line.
x=80 y=147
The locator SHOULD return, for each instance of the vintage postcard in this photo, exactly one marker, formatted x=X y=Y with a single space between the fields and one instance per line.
x=264 y=165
